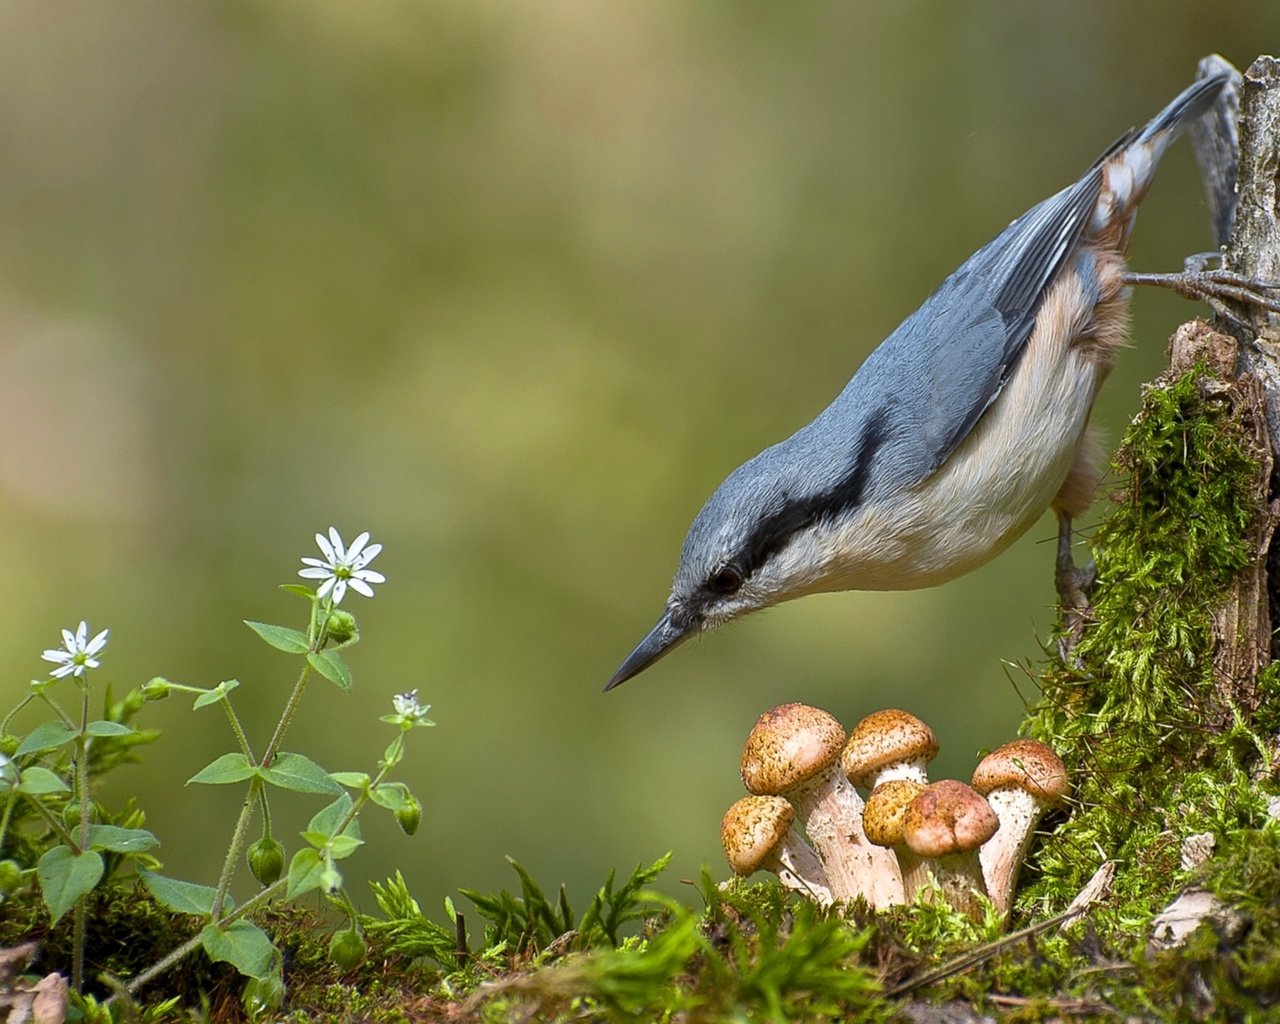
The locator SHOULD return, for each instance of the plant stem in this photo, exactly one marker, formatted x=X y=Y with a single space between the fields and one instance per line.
x=4 y=818
x=236 y=727
x=290 y=709
x=233 y=851
x=59 y=829
x=82 y=785
x=4 y=724
x=193 y=943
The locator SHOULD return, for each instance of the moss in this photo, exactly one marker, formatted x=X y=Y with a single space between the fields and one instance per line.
x=1133 y=712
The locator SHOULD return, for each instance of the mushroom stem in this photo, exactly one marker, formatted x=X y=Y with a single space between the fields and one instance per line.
x=1021 y=781
x=831 y=814
x=946 y=825
x=757 y=836
x=794 y=751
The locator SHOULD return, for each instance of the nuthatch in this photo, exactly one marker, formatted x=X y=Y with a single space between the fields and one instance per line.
x=955 y=434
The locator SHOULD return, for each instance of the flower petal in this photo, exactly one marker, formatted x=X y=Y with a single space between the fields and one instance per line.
x=68 y=640
x=368 y=555
x=340 y=550
x=82 y=632
x=326 y=548
x=326 y=586
x=369 y=576
x=56 y=656
x=360 y=587
x=353 y=551
x=319 y=573
x=339 y=590
x=317 y=563
x=63 y=671
x=97 y=643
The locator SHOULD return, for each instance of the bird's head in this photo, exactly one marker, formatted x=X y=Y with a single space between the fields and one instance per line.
x=758 y=541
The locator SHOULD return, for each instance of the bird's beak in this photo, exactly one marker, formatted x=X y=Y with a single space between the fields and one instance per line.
x=665 y=637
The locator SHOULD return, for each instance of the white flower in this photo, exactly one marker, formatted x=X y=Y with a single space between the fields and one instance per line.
x=343 y=566
x=77 y=652
x=407 y=704
x=408 y=712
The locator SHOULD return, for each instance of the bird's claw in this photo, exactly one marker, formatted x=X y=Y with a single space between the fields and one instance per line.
x=1215 y=287
x=1075 y=586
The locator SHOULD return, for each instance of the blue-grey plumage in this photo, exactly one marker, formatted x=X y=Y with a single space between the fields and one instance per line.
x=955 y=434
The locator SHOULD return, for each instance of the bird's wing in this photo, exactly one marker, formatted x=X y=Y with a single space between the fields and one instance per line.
x=945 y=364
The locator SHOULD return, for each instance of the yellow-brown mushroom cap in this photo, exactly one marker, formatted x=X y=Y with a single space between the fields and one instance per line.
x=1028 y=765
x=884 y=738
x=752 y=828
x=788 y=746
x=948 y=817
x=885 y=814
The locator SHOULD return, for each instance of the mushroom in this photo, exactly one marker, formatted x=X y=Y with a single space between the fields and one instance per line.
x=886 y=745
x=883 y=819
x=757 y=836
x=793 y=751
x=1021 y=780
x=947 y=824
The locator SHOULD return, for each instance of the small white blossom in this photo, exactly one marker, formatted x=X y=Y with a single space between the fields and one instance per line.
x=406 y=703
x=343 y=566
x=77 y=652
x=408 y=712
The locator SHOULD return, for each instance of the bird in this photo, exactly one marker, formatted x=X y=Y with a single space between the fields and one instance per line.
x=956 y=432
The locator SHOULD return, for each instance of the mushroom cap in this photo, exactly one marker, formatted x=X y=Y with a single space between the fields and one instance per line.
x=752 y=828
x=884 y=738
x=886 y=811
x=1028 y=765
x=788 y=746
x=948 y=817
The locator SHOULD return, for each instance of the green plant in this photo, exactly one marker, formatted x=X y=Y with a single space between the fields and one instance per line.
x=51 y=828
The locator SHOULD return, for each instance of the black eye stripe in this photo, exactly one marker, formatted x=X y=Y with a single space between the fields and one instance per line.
x=774 y=531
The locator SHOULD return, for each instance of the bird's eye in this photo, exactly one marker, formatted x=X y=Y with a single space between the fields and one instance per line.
x=725 y=580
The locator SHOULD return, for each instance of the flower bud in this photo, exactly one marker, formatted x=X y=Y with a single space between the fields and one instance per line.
x=409 y=816
x=266 y=860
x=10 y=878
x=342 y=626
x=347 y=948
x=155 y=689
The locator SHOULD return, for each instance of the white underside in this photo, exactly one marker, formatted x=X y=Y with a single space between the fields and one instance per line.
x=997 y=483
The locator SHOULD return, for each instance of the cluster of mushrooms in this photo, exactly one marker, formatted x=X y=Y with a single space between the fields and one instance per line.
x=802 y=769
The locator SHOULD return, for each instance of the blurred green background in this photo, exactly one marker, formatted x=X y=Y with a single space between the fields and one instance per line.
x=513 y=286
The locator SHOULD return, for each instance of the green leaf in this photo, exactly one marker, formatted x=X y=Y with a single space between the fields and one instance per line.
x=300 y=774
x=299 y=589
x=330 y=665
x=216 y=694
x=183 y=897
x=282 y=638
x=243 y=945
x=327 y=819
x=305 y=871
x=233 y=767
x=344 y=846
x=45 y=736
x=338 y=846
x=37 y=781
x=394 y=796
x=65 y=877
x=352 y=780
x=101 y=727
x=120 y=840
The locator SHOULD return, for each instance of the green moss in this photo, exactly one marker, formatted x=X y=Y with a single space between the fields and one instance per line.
x=1135 y=714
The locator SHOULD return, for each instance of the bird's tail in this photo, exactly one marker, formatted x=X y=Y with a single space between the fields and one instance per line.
x=1129 y=165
